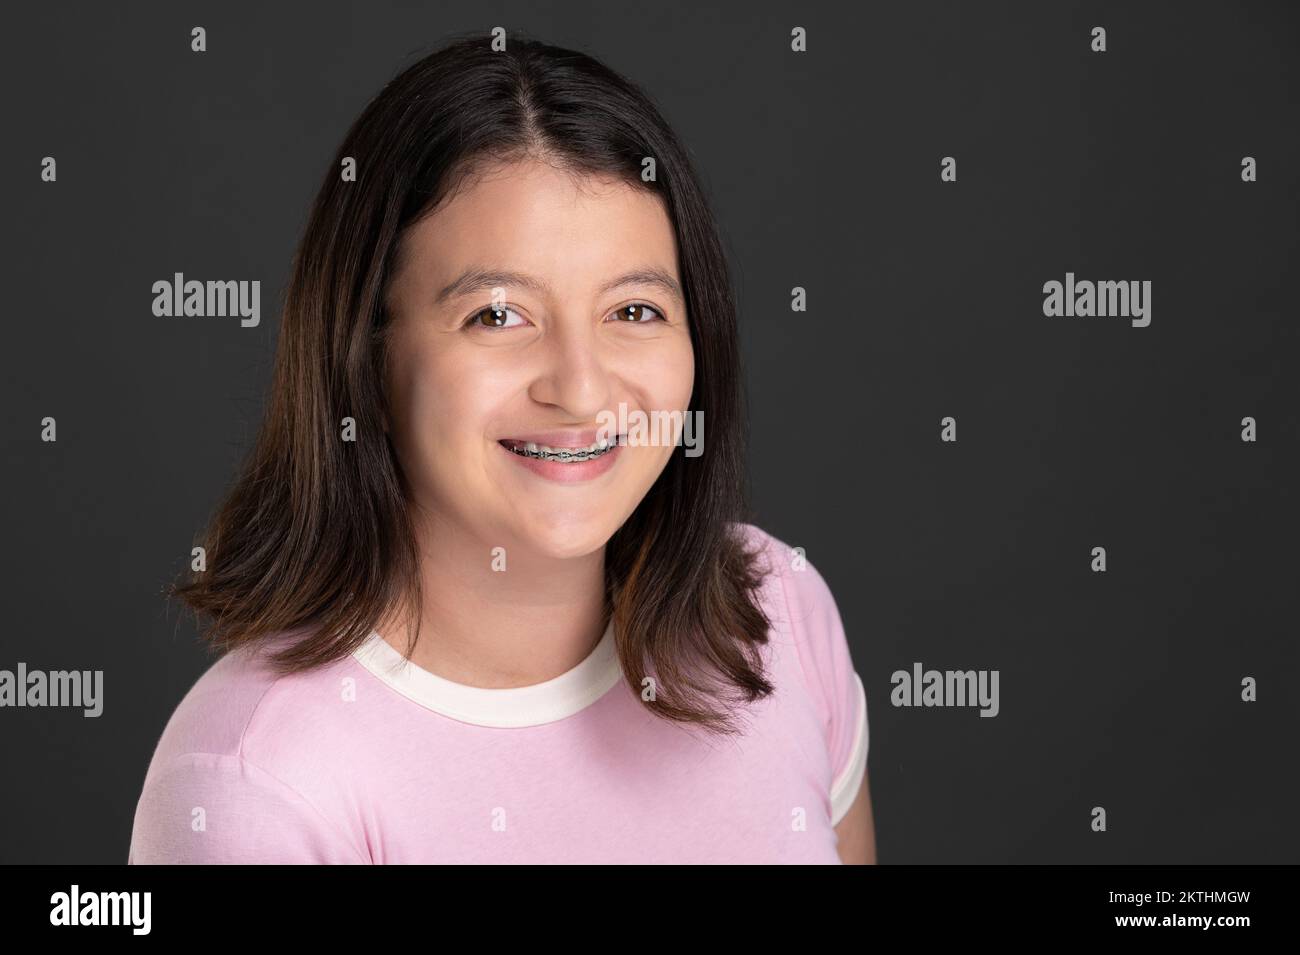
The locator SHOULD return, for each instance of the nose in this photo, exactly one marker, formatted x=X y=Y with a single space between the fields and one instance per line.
x=573 y=375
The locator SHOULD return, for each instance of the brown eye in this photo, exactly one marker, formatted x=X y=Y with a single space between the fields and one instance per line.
x=638 y=313
x=492 y=318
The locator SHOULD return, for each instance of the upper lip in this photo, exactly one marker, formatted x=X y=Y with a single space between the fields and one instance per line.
x=560 y=439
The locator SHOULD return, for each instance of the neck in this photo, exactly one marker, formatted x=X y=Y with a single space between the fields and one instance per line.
x=498 y=629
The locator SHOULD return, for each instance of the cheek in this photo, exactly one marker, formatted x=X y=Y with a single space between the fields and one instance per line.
x=664 y=382
x=445 y=403
x=668 y=375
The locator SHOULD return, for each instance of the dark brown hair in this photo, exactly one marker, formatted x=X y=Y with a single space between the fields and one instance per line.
x=315 y=534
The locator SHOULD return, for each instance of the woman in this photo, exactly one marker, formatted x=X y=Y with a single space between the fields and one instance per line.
x=469 y=613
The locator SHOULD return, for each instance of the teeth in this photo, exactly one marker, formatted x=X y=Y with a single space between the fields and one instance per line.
x=572 y=455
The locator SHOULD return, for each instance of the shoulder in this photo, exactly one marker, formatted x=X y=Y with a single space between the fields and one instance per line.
x=790 y=580
x=805 y=612
x=223 y=711
x=233 y=776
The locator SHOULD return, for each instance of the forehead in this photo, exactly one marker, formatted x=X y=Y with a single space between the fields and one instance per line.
x=573 y=229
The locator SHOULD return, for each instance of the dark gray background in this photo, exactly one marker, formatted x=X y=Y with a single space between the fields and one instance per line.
x=925 y=300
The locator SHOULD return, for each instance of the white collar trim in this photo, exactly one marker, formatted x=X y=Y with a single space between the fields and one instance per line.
x=534 y=705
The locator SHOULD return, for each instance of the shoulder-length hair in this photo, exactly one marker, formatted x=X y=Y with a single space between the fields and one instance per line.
x=316 y=533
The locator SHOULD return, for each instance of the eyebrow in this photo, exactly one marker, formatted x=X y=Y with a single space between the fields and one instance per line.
x=476 y=279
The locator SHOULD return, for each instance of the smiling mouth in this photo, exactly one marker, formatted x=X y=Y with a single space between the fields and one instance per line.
x=544 y=452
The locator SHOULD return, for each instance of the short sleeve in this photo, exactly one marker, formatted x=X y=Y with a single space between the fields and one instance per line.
x=827 y=664
x=204 y=808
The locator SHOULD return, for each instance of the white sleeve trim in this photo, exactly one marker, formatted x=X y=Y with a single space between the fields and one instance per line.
x=845 y=789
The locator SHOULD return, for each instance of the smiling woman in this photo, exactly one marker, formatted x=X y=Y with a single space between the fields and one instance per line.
x=487 y=629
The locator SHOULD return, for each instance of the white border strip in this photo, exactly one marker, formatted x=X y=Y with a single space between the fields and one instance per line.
x=845 y=789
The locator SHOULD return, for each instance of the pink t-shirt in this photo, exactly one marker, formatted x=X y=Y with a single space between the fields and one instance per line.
x=372 y=760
